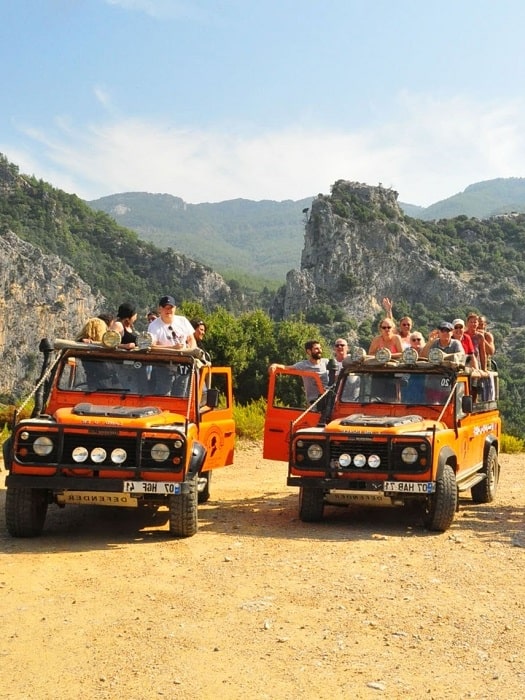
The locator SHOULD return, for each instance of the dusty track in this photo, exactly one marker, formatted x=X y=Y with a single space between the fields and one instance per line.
x=365 y=605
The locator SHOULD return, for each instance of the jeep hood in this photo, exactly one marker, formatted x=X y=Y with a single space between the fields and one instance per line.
x=410 y=422
x=128 y=416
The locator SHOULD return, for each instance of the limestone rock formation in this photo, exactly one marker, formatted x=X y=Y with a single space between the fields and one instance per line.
x=40 y=296
x=358 y=248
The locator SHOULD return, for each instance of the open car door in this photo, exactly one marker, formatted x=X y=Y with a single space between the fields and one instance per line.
x=287 y=404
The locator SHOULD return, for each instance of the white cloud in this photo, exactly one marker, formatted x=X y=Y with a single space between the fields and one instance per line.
x=433 y=150
x=161 y=9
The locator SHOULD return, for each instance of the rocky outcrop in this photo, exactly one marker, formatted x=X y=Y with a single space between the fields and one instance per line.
x=40 y=296
x=358 y=249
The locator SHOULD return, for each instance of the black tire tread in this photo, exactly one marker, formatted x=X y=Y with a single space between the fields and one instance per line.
x=25 y=511
x=485 y=491
x=183 y=518
x=443 y=503
x=311 y=504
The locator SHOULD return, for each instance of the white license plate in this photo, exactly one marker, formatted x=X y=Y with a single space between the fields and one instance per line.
x=409 y=486
x=153 y=487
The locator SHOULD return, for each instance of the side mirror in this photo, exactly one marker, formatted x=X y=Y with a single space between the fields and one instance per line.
x=212 y=398
x=466 y=404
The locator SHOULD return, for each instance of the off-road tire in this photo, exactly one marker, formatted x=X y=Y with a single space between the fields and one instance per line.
x=204 y=492
x=442 y=505
x=183 y=511
x=485 y=491
x=311 y=504
x=25 y=511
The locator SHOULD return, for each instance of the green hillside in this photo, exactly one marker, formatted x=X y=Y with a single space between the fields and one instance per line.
x=480 y=200
x=262 y=239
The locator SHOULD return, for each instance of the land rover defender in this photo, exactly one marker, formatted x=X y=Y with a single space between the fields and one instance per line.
x=143 y=427
x=388 y=432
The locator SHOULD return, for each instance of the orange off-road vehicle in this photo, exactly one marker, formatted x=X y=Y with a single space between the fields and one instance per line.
x=388 y=432
x=114 y=427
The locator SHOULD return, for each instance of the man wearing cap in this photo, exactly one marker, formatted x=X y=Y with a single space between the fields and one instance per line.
x=169 y=329
x=466 y=341
x=445 y=342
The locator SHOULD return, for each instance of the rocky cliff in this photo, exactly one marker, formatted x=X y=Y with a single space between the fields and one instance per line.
x=40 y=296
x=359 y=248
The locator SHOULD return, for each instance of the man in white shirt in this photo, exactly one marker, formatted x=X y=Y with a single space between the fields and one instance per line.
x=169 y=329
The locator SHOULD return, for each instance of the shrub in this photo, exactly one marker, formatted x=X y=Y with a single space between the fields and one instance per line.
x=511 y=444
x=249 y=419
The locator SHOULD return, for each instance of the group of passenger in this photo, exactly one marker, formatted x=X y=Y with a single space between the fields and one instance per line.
x=166 y=327
x=472 y=340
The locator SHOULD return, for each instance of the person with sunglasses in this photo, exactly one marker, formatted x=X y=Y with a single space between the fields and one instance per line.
x=340 y=352
x=170 y=329
x=417 y=342
x=404 y=328
x=387 y=338
x=466 y=342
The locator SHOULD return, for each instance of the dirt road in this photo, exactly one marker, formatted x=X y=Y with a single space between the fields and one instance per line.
x=258 y=605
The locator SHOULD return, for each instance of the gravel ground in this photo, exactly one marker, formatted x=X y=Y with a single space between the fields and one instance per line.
x=257 y=604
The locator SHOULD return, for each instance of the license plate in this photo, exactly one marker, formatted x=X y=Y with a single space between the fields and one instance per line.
x=97 y=498
x=409 y=486
x=153 y=487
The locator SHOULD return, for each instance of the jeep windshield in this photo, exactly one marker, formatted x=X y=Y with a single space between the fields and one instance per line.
x=410 y=388
x=124 y=373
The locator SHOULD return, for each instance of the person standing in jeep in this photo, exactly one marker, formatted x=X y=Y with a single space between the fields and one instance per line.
x=314 y=362
x=171 y=329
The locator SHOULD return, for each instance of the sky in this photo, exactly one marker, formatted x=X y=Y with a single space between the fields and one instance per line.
x=211 y=100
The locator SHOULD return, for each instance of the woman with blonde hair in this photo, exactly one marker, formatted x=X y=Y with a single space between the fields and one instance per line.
x=387 y=338
x=92 y=331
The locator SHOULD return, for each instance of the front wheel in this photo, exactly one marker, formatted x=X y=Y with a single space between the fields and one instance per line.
x=183 y=510
x=485 y=491
x=204 y=486
x=25 y=511
x=311 y=504
x=442 y=505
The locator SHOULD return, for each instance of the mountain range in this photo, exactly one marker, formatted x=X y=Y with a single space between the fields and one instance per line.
x=245 y=239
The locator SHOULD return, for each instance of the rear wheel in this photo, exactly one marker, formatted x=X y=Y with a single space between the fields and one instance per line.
x=442 y=505
x=183 y=511
x=25 y=511
x=485 y=491
x=311 y=504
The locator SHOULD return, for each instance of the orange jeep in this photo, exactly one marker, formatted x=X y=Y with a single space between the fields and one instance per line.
x=388 y=432
x=121 y=428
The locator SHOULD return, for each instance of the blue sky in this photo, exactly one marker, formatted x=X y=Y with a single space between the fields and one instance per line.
x=214 y=100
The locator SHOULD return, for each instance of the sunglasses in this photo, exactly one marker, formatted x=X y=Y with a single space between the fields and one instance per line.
x=416 y=340
x=387 y=328
x=457 y=327
x=340 y=345
x=405 y=324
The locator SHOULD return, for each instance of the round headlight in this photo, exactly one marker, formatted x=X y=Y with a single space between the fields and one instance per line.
x=177 y=444
x=357 y=355
x=315 y=452
x=374 y=461
x=345 y=460
x=435 y=356
x=409 y=455
x=98 y=454
x=111 y=339
x=43 y=446
x=160 y=452
x=359 y=460
x=410 y=356
x=24 y=435
x=79 y=454
x=118 y=455
x=383 y=355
